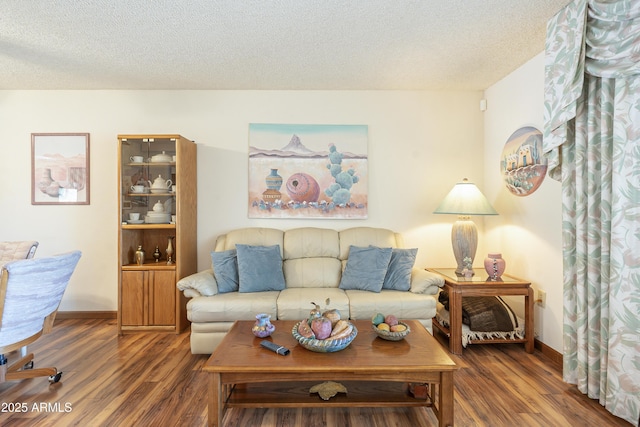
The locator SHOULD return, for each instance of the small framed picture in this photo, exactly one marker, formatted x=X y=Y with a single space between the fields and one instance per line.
x=59 y=168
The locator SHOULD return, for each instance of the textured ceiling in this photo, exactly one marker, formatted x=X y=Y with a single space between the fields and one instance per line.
x=278 y=44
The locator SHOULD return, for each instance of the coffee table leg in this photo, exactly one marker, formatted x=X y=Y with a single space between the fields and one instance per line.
x=445 y=404
x=216 y=406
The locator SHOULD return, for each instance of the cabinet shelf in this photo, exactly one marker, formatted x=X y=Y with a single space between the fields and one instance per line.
x=149 y=265
x=134 y=164
x=168 y=194
x=148 y=226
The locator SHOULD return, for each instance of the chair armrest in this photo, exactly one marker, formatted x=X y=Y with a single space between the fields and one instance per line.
x=202 y=282
x=425 y=282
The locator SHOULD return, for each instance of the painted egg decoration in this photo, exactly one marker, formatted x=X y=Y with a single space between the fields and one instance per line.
x=302 y=187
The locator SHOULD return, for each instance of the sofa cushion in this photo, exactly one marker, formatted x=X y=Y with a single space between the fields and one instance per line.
x=225 y=270
x=312 y=272
x=260 y=268
x=232 y=306
x=296 y=303
x=365 y=236
x=404 y=305
x=255 y=236
x=398 y=275
x=366 y=268
x=309 y=242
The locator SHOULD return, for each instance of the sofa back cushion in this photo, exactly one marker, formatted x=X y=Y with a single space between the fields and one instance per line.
x=311 y=258
x=367 y=236
x=255 y=236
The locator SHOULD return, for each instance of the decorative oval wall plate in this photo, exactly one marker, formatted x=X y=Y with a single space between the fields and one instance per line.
x=522 y=165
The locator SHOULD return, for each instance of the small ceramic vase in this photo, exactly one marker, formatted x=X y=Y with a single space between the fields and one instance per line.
x=263 y=326
x=494 y=265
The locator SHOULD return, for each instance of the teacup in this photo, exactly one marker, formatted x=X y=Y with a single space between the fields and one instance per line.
x=134 y=216
x=136 y=159
x=137 y=188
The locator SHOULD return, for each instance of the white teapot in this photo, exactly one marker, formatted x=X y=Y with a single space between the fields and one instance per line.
x=160 y=184
x=158 y=207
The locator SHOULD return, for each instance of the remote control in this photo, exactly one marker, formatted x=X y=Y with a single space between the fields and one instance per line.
x=275 y=347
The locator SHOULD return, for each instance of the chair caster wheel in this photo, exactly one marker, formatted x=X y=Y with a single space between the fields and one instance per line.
x=28 y=365
x=55 y=378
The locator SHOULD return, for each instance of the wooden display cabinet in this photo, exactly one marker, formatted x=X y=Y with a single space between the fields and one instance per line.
x=148 y=299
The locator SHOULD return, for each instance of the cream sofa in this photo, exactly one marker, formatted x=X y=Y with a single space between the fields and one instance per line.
x=313 y=261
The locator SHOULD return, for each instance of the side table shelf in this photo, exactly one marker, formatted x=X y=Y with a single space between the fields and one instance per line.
x=480 y=285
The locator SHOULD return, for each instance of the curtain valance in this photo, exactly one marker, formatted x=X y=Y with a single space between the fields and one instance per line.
x=600 y=38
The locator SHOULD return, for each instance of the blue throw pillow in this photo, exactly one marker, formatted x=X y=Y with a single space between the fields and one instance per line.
x=225 y=270
x=366 y=268
x=260 y=268
x=399 y=273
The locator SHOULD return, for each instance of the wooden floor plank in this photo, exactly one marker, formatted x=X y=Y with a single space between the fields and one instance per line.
x=153 y=379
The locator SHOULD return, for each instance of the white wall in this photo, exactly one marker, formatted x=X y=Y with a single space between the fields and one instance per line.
x=420 y=145
x=528 y=229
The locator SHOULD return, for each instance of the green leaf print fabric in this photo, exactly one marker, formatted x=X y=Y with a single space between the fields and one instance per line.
x=592 y=143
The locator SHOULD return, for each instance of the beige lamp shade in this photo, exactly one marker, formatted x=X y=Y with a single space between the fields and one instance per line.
x=465 y=199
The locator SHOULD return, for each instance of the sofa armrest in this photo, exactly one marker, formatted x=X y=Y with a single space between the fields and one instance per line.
x=425 y=282
x=203 y=282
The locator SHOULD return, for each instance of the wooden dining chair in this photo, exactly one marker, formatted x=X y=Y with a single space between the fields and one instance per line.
x=30 y=293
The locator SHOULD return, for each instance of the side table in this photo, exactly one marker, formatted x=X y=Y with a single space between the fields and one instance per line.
x=481 y=285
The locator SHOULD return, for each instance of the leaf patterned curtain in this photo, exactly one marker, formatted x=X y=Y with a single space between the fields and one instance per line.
x=592 y=143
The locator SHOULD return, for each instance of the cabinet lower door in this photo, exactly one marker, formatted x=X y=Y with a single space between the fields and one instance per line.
x=162 y=293
x=148 y=298
x=133 y=300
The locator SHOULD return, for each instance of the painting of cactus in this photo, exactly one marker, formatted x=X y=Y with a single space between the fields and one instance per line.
x=308 y=171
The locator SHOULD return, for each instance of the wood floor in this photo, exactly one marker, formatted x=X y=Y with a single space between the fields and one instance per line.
x=153 y=380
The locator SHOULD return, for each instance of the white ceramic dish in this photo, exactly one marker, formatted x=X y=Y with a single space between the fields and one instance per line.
x=156 y=220
x=158 y=158
x=135 y=221
x=159 y=190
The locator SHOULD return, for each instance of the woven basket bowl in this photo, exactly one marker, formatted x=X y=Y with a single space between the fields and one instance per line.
x=392 y=336
x=323 y=346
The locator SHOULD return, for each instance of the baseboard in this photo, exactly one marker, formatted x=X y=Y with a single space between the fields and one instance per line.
x=552 y=354
x=86 y=315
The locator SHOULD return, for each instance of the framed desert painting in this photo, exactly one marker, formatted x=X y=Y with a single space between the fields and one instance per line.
x=308 y=171
x=59 y=168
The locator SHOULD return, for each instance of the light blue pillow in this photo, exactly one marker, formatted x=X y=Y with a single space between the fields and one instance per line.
x=399 y=273
x=225 y=270
x=366 y=268
x=260 y=268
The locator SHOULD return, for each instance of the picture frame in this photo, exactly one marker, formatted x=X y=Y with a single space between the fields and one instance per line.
x=308 y=171
x=60 y=169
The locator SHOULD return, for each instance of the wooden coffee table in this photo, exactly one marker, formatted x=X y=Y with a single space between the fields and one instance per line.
x=375 y=372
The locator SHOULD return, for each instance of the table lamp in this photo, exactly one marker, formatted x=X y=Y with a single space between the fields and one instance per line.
x=465 y=199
